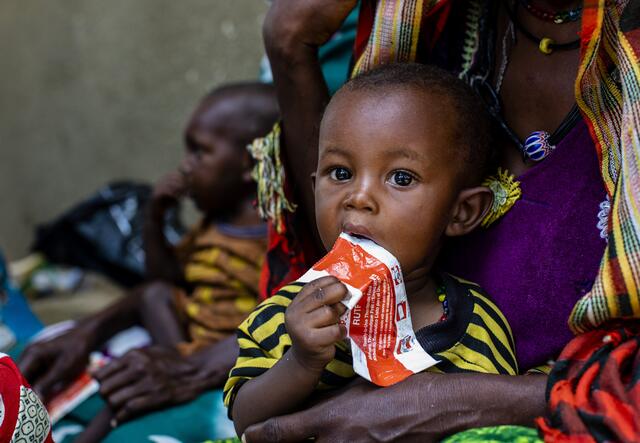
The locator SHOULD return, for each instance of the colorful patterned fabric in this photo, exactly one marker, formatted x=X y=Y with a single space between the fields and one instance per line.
x=222 y=267
x=594 y=389
x=394 y=34
x=608 y=93
x=397 y=31
x=475 y=337
x=268 y=173
x=496 y=434
x=23 y=418
x=285 y=259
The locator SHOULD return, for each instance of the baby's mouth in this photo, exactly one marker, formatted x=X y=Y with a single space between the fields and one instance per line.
x=358 y=231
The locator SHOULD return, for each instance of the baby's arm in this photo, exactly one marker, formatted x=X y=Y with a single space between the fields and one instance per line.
x=311 y=320
x=161 y=262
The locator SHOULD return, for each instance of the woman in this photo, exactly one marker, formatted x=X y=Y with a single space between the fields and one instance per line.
x=523 y=57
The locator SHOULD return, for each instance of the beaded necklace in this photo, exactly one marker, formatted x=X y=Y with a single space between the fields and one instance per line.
x=557 y=17
x=442 y=298
x=538 y=145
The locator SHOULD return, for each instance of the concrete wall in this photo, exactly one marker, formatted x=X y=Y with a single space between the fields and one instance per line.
x=94 y=90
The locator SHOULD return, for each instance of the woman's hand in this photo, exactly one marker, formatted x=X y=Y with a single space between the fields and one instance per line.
x=144 y=380
x=312 y=321
x=425 y=407
x=304 y=22
x=51 y=365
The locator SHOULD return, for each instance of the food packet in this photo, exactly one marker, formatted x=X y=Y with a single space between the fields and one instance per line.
x=384 y=347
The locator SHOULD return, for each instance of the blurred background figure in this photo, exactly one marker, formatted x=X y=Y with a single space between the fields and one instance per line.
x=94 y=95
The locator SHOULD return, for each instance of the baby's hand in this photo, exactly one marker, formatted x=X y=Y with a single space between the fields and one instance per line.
x=312 y=322
x=168 y=191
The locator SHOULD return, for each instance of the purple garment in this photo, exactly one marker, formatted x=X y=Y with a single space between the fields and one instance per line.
x=544 y=254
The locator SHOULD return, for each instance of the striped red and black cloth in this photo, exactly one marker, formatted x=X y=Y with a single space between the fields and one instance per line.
x=594 y=388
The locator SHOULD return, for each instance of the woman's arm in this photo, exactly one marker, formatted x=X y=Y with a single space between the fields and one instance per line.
x=425 y=407
x=293 y=31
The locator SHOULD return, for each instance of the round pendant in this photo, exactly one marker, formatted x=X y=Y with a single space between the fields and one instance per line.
x=545 y=45
x=536 y=146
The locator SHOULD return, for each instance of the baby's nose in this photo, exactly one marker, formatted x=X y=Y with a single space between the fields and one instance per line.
x=361 y=199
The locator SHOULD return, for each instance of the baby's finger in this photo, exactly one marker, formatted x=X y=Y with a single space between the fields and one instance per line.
x=325 y=295
x=312 y=287
x=312 y=290
x=339 y=308
x=329 y=334
x=325 y=315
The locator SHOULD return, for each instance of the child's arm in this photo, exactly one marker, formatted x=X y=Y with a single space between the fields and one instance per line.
x=161 y=262
x=311 y=320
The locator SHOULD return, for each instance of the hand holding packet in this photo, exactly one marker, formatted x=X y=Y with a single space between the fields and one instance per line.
x=384 y=347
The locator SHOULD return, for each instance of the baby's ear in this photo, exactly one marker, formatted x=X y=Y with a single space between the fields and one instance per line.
x=469 y=210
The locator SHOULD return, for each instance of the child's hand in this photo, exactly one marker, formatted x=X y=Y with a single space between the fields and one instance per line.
x=168 y=191
x=312 y=322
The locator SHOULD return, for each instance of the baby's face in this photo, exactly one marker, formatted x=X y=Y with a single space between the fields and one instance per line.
x=387 y=171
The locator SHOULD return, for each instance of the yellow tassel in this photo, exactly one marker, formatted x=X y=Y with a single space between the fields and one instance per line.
x=506 y=192
x=268 y=173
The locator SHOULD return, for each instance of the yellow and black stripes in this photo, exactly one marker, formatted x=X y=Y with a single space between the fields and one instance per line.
x=474 y=338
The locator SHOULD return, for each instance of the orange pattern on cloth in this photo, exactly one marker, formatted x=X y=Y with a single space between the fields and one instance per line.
x=222 y=272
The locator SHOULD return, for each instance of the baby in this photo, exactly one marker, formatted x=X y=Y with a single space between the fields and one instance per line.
x=403 y=151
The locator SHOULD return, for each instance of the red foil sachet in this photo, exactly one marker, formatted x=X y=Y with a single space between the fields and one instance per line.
x=384 y=347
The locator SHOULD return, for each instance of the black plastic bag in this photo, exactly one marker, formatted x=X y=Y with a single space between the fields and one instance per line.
x=104 y=233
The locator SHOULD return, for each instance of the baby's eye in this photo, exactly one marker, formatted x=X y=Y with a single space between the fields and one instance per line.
x=340 y=174
x=401 y=178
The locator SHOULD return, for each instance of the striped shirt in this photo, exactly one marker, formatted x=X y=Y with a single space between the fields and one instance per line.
x=475 y=337
x=222 y=269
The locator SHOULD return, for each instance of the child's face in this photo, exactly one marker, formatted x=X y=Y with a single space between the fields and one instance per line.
x=387 y=171
x=212 y=164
